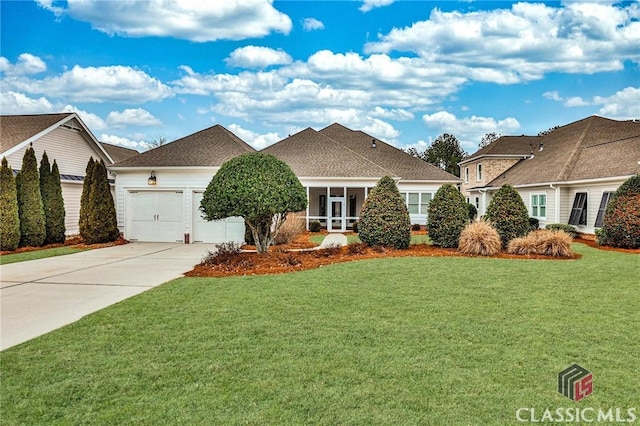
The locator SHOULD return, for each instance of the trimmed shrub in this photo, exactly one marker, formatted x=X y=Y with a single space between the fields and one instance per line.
x=621 y=224
x=534 y=223
x=448 y=215
x=480 y=238
x=225 y=253
x=473 y=212
x=314 y=226
x=415 y=227
x=85 y=204
x=52 y=201
x=30 y=209
x=357 y=248
x=102 y=226
x=569 y=229
x=355 y=227
x=9 y=217
x=385 y=219
x=508 y=214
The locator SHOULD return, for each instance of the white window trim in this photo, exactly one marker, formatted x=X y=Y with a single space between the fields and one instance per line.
x=466 y=175
x=479 y=172
x=538 y=216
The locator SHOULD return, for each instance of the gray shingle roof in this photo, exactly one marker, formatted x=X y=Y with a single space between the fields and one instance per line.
x=396 y=161
x=15 y=129
x=507 y=147
x=309 y=153
x=591 y=148
x=208 y=148
x=118 y=153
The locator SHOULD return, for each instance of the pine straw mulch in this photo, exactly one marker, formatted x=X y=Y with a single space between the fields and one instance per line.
x=281 y=259
x=73 y=242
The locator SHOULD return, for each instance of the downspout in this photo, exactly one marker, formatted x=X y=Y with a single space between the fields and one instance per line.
x=557 y=206
x=484 y=203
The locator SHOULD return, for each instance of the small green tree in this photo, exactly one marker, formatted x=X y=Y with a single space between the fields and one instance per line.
x=445 y=152
x=508 y=214
x=85 y=206
x=621 y=223
x=448 y=216
x=102 y=226
x=30 y=209
x=384 y=219
x=52 y=202
x=9 y=218
x=258 y=187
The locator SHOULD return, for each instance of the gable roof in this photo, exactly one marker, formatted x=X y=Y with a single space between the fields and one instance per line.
x=17 y=131
x=117 y=152
x=309 y=153
x=591 y=148
x=506 y=147
x=396 y=161
x=210 y=147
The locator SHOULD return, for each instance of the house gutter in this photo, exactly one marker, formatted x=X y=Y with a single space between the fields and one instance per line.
x=504 y=156
x=566 y=183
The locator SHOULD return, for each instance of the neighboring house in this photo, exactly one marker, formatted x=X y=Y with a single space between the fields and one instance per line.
x=339 y=166
x=66 y=139
x=159 y=191
x=565 y=176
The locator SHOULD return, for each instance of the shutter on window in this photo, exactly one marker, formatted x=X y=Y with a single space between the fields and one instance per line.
x=579 y=210
x=603 y=207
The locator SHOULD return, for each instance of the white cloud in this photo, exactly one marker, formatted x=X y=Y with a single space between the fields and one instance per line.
x=138 y=145
x=522 y=43
x=392 y=114
x=257 y=140
x=575 y=101
x=257 y=57
x=132 y=117
x=194 y=20
x=367 y=5
x=93 y=121
x=312 y=24
x=469 y=130
x=622 y=105
x=380 y=129
x=552 y=95
x=95 y=84
x=25 y=65
x=18 y=103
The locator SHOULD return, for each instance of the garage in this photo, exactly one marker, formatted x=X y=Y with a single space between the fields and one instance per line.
x=215 y=231
x=156 y=216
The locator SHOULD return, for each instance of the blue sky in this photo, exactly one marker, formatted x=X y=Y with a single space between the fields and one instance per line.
x=403 y=71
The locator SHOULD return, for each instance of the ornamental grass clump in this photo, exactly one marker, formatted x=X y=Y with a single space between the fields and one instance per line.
x=480 y=238
x=508 y=214
x=544 y=242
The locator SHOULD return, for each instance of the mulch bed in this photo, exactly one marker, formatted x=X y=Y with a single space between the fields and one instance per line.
x=280 y=259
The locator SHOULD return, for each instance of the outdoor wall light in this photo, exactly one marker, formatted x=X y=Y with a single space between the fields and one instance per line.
x=152 y=179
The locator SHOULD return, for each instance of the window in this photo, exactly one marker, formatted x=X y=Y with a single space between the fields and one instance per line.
x=477 y=200
x=414 y=203
x=466 y=175
x=479 y=172
x=603 y=206
x=352 y=206
x=322 y=202
x=417 y=202
x=539 y=205
x=579 y=210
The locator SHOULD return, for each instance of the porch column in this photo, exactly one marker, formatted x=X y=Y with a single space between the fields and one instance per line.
x=308 y=204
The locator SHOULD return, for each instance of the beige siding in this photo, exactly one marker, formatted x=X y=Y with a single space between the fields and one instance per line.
x=550 y=216
x=594 y=196
x=71 y=192
x=68 y=147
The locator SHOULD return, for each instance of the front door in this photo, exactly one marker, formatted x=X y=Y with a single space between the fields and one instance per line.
x=337 y=220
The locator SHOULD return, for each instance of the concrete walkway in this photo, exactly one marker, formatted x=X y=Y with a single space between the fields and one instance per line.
x=42 y=295
x=333 y=240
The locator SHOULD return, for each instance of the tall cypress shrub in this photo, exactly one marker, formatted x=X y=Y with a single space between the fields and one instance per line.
x=448 y=216
x=9 y=218
x=102 y=226
x=57 y=227
x=508 y=214
x=30 y=209
x=52 y=202
x=85 y=206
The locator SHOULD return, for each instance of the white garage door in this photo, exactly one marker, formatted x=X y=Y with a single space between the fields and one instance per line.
x=156 y=216
x=215 y=231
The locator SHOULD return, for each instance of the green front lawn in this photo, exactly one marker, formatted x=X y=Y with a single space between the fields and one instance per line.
x=435 y=341
x=38 y=254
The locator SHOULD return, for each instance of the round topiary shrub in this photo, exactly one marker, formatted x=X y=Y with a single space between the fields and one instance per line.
x=473 y=212
x=480 y=238
x=385 y=219
x=314 y=226
x=508 y=214
x=621 y=224
x=448 y=215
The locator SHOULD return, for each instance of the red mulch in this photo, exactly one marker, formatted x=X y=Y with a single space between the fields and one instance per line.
x=592 y=243
x=279 y=260
x=75 y=242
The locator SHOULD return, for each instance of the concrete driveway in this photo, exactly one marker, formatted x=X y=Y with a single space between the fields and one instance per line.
x=42 y=295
